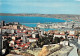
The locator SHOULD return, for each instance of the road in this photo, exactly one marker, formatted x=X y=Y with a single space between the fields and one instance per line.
x=74 y=51
x=76 y=46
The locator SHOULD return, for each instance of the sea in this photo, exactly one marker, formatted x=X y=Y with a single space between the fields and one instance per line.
x=30 y=21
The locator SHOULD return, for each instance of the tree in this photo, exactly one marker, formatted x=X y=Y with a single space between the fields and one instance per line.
x=56 y=40
x=61 y=38
x=6 y=34
x=66 y=34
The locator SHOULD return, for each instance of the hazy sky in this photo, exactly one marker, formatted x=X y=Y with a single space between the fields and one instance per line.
x=40 y=6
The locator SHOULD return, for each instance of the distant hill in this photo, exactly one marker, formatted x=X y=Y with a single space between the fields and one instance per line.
x=58 y=16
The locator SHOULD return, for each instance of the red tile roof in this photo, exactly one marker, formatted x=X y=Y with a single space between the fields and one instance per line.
x=28 y=34
x=18 y=42
x=28 y=42
x=34 y=38
x=15 y=48
x=71 y=35
x=19 y=39
x=59 y=34
x=23 y=45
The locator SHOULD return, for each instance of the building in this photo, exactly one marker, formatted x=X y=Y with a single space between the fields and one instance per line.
x=35 y=35
x=16 y=27
x=0 y=44
x=4 y=46
x=71 y=32
x=70 y=36
x=59 y=35
x=15 y=23
x=0 y=30
x=2 y=23
x=64 y=43
x=78 y=40
x=33 y=39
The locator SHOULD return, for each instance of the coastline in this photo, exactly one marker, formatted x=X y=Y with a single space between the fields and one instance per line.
x=58 y=16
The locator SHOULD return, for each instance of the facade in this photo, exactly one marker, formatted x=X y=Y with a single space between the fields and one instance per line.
x=35 y=35
x=78 y=40
x=71 y=32
x=64 y=43
x=59 y=35
x=70 y=25
x=1 y=44
x=33 y=39
x=2 y=23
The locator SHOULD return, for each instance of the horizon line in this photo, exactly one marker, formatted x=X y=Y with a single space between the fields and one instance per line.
x=39 y=13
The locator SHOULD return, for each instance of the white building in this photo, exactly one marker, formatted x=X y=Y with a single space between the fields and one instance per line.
x=64 y=43
x=33 y=39
x=13 y=37
x=71 y=36
x=59 y=35
x=78 y=40
x=71 y=32
x=35 y=35
x=12 y=31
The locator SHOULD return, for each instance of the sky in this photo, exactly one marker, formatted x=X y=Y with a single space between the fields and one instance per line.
x=40 y=6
